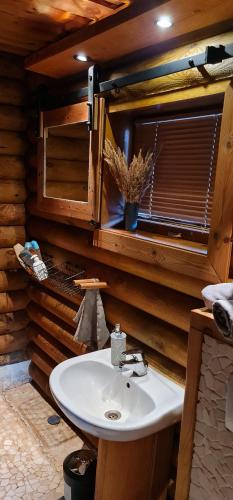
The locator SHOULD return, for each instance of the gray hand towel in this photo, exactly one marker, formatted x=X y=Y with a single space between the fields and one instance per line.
x=213 y=293
x=90 y=319
x=223 y=315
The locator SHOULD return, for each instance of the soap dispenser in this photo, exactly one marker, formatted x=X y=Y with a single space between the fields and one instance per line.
x=118 y=344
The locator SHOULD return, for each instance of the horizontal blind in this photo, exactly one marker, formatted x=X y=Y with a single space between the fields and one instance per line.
x=181 y=188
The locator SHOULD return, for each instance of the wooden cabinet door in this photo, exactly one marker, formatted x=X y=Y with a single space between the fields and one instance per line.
x=69 y=161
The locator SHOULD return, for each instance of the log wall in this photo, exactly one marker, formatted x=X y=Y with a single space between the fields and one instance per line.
x=13 y=145
x=153 y=314
x=153 y=304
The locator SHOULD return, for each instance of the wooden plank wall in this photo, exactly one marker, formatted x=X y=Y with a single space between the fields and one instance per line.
x=13 y=145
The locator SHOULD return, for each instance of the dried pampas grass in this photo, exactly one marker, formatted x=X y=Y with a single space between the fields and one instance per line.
x=132 y=180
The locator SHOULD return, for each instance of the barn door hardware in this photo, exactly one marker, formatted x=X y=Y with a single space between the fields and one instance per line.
x=93 y=88
x=211 y=55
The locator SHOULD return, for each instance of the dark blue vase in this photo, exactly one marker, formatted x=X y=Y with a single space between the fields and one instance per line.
x=131 y=216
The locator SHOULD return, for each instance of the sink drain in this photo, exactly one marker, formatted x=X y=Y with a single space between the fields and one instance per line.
x=113 y=415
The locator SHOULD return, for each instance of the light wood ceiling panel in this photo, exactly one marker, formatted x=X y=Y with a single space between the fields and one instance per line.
x=28 y=25
x=110 y=41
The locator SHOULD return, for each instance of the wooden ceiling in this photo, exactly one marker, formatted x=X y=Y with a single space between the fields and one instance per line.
x=28 y=25
x=134 y=29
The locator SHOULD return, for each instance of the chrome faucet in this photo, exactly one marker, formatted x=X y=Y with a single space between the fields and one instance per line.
x=134 y=359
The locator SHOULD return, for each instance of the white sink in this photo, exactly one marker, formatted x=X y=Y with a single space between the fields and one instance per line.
x=87 y=387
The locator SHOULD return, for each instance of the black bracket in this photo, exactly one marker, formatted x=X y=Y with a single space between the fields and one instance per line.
x=215 y=55
x=93 y=88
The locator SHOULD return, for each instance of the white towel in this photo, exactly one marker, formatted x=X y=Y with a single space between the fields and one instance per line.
x=90 y=319
x=223 y=315
x=212 y=293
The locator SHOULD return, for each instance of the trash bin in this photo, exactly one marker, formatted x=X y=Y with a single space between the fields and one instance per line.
x=79 y=469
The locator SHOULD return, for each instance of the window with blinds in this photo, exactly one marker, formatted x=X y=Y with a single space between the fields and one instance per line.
x=181 y=188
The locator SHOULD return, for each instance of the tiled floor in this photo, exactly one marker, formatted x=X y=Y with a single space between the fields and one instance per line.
x=31 y=450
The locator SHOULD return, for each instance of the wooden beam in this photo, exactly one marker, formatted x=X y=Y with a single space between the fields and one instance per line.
x=220 y=239
x=98 y=40
x=78 y=242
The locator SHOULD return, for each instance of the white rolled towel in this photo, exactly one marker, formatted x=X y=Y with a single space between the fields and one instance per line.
x=214 y=293
x=223 y=315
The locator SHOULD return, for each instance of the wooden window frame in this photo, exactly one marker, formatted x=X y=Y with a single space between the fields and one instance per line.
x=73 y=210
x=208 y=262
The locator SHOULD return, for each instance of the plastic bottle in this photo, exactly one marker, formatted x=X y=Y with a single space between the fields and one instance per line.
x=118 y=345
x=39 y=268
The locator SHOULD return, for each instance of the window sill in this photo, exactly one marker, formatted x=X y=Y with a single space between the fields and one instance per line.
x=180 y=256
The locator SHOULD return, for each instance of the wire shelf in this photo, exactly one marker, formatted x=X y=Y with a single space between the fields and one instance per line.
x=61 y=276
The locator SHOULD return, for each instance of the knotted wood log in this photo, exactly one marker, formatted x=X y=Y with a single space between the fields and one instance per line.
x=53 y=305
x=10 y=235
x=13 y=357
x=46 y=343
x=13 y=322
x=48 y=323
x=13 y=280
x=77 y=131
x=62 y=170
x=8 y=259
x=12 y=215
x=12 y=191
x=12 y=342
x=12 y=92
x=40 y=379
x=12 y=167
x=11 y=67
x=12 y=143
x=40 y=359
x=67 y=190
x=67 y=149
x=12 y=119
x=13 y=301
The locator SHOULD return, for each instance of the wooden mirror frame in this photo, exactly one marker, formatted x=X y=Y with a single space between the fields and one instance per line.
x=206 y=263
x=67 y=115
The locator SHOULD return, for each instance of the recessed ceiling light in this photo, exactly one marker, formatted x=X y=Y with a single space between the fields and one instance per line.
x=164 y=22
x=81 y=57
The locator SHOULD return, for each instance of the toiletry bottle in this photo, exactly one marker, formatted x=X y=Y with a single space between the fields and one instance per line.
x=39 y=268
x=118 y=345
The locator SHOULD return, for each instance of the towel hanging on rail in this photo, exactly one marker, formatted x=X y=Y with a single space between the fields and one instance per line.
x=91 y=324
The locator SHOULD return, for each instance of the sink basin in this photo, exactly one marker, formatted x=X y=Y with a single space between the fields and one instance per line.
x=100 y=400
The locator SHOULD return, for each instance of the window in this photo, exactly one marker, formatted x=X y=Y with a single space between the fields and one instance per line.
x=181 y=188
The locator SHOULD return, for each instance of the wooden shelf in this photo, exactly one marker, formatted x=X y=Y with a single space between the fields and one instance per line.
x=183 y=256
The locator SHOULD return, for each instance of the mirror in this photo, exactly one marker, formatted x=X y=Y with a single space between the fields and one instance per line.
x=67 y=162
